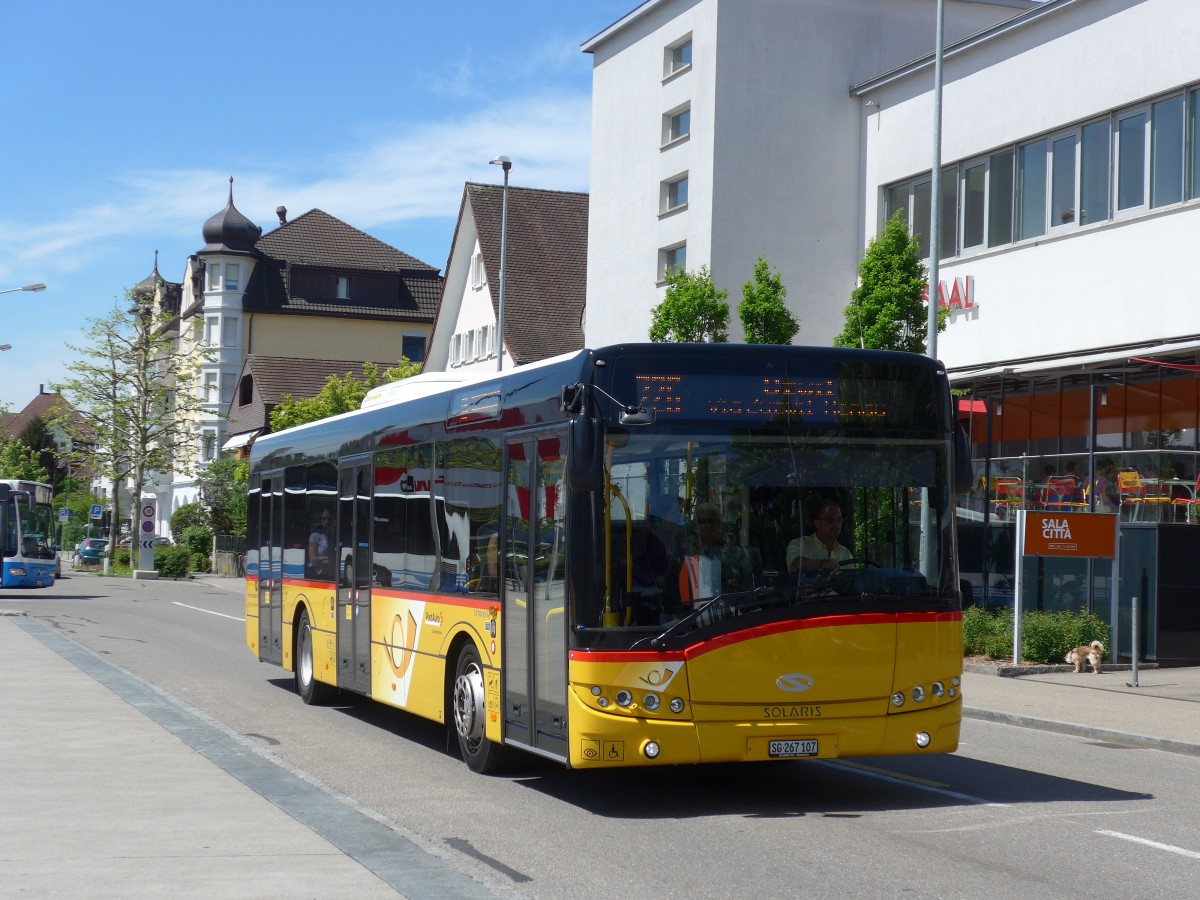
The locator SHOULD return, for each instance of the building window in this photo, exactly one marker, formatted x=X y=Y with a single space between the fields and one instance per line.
x=487 y=342
x=233 y=276
x=469 y=346
x=212 y=328
x=478 y=278
x=1031 y=190
x=678 y=57
x=1166 y=151
x=246 y=391
x=228 y=380
x=210 y=387
x=672 y=259
x=229 y=332
x=343 y=287
x=1132 y=135
x=677 y=124
x=1062 y=181
x=214 y=276
x=1095 y=151
x=208 y=444
x=673 y=194
x=413 y=347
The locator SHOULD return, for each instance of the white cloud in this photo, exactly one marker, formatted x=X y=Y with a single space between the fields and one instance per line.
x=394 y=178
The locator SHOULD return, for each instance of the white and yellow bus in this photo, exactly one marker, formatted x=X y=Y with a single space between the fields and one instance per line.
x=598 y=558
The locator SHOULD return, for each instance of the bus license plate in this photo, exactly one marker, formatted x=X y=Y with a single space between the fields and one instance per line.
x=791 y=748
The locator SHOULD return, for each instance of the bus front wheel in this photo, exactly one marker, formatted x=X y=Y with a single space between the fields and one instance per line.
x=310 y=690
x=470 y=712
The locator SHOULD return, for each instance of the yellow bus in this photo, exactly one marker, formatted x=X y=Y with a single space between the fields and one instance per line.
x=645 y=554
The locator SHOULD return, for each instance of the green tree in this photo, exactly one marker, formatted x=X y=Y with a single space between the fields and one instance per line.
x=190 y=515
x=765 y=317
x=693 y=310
x=17 y=460
x=39 y=437
x=223 y=490
x=339 y=395
x=132 y=392
x=886 y=311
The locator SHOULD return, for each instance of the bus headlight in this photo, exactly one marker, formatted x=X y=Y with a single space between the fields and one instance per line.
x=918 y=694
x=651 y=749
x=17 y=570
x=676 y=705
x=624 y=699
x=898 y=699
x=938 y=689
x=922 y=740
x=651 y=702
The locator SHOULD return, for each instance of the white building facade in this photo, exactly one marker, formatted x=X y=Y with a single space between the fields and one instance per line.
x=1071 y=195
x=722 y=131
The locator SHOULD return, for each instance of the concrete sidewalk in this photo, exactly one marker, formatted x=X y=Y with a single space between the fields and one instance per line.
x=114 y=789
x=1162 y=712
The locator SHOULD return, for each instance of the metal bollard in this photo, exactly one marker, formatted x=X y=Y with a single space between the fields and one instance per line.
x=1133 y=634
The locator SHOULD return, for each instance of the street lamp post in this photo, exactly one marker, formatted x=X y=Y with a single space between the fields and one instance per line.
x=29 y=287
x=505 y=163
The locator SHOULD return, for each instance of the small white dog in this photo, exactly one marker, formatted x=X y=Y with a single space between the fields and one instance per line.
x=1092 y=654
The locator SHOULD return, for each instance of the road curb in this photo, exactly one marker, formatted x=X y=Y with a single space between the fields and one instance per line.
x=1085 y=731
x=1017 y=671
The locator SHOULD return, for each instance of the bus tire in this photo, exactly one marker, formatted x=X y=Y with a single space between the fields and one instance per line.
x=311 y=691
x=469 y=707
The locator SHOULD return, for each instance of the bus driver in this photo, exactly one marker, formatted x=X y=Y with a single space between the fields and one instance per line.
x=820 y=551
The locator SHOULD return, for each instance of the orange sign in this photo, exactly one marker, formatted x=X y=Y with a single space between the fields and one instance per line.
x=1070 y=534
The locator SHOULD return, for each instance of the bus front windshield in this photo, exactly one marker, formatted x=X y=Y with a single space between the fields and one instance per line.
x=37 y=529
x=697 y=531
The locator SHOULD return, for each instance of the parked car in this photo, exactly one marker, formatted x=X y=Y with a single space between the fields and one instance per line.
x=92 y=550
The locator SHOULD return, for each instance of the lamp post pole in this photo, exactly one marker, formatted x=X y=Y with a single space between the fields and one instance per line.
x=505 y=163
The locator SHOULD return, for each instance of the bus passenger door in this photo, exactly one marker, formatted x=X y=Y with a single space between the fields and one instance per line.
x=353 y=558
x=270 y=569
x=533 y=596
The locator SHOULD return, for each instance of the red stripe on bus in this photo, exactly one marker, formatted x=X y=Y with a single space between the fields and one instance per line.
x=751 y=634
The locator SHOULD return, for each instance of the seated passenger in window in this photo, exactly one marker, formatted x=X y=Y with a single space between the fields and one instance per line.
x=318 y=548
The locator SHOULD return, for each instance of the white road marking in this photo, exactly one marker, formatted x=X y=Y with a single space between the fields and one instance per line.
x=920 y=784
x=209 y=611
x=1191 y=854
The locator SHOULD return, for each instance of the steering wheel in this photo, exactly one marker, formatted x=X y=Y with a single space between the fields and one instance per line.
x=841 y=579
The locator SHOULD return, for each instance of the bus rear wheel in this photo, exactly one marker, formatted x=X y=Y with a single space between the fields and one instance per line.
x=311 y=691
x=469 y=705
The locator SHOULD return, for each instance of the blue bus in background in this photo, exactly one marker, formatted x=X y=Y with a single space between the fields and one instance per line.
x=27 y=533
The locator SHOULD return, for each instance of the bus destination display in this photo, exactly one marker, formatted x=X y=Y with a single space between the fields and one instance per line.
x=812 y=400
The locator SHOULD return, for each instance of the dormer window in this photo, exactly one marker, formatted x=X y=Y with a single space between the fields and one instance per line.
x=343 y=287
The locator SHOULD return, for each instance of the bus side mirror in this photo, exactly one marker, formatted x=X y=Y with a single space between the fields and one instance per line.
x=964 y=473
x=585 y=454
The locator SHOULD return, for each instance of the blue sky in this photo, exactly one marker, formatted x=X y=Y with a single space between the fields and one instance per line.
x=124 y=121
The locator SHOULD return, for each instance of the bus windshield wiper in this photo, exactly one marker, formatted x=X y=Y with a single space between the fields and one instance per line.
x=731 y=600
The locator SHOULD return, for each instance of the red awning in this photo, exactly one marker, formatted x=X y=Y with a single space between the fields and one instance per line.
x=971 y=407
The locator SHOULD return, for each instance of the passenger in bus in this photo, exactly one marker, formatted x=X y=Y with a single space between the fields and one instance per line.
x=657 y=547
x=318 y=547
x=710 y=544
x=820 y=551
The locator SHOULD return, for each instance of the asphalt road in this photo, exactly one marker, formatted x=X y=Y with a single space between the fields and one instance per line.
x=1014 y=813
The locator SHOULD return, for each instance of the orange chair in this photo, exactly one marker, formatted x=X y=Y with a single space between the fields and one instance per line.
x=1132 y=493
x=1188 y=503
x=1060 y=494
x=1008 y=493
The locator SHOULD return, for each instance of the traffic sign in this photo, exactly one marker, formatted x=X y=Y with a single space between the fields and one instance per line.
x=64 y=514
x=97 y=511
